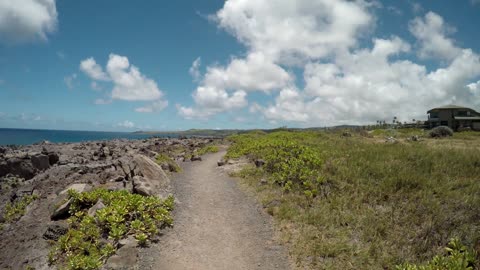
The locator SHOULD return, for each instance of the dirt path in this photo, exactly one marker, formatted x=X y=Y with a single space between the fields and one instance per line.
x=216 y=226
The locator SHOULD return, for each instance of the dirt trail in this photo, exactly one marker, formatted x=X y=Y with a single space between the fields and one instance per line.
x=216 y=226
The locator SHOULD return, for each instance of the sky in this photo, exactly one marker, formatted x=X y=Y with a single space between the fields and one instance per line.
x=118 y=65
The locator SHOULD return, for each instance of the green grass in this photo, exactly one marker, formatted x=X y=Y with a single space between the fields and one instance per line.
x=90 y=240
x=207 y=149
x=163 y=158
x=348 y=203
x=14 y=211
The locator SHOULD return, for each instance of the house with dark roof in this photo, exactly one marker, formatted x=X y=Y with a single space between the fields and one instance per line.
x=455 y=117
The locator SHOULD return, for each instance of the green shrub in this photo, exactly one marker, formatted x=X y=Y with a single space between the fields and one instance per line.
x=457 y=257
x=124 y=213
x=163 y=158
x=357 y=204
x=207 y=149
x=14 y=211
x=440 y=132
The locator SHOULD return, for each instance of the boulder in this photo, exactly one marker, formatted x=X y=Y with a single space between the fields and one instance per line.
x=55 y=231
x=53 y=158
x=142 y=186
x=153 y=180
x=77 y=187
x=97 y=206
x=61 y=211
x=196 y=158
x=221 y=162
x=19 y=167
x=40 y=162
x=125 y=257
x=3 y=150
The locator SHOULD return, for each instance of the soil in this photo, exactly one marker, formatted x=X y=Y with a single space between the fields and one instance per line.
x=216 y=226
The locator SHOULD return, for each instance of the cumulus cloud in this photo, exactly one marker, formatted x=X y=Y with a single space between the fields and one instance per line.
x=343 y=83
x=90 y=67
x=129 y=83
x=126 y=124
x=431 y=32
x=195 y=69
x=288 y=30
x=27 y=20
x=95 y=86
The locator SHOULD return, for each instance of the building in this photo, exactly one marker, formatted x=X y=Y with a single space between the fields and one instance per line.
x=455 y=117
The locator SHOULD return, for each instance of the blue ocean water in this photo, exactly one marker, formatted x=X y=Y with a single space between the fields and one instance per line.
x=30 y=136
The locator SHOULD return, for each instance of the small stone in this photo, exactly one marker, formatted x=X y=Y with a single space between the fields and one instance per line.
x=99 y=205
x=263 y=181
x=259 y=163
x=61 y=211
x=196 y=158
x=220 y=163
x=55 y=231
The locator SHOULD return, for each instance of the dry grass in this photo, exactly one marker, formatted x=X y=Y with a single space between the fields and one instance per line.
x=379 y=204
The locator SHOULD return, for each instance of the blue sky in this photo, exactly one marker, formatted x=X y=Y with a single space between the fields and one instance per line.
x=125 y=65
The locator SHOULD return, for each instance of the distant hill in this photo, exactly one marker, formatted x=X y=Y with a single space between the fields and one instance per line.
x=227 y=132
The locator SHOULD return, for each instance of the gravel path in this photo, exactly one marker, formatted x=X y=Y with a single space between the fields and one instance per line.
x=216 y=226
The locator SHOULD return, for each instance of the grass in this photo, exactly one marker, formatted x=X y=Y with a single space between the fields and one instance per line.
x=207 y=149
x=348 y=203
x=163 y=158
x=90 y=240
x=14 y=211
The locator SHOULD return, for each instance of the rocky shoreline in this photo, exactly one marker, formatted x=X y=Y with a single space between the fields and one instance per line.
x=46 y=170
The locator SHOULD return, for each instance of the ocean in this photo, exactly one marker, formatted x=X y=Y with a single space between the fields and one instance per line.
x=30 y=136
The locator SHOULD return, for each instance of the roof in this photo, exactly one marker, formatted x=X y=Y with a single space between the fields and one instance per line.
x=467 y=117
x=449 y=107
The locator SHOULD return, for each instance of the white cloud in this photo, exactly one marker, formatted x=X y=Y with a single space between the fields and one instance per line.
x=69 y=80
x=195 y=69
x=343 y=82
x=290 y=30
x=128 y=83
x=155 y=106
x=253 y=73
x=27 y=20
x=90 y=67
x=431 y=33
x=126 y=124
x=211 y=101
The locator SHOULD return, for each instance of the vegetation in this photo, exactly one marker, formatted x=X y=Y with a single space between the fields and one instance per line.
x=457 y=257
x=207 y=149
x=441 y=131
x=84 y=245
x=163 y=158
x=354 y=203
x=14 y=211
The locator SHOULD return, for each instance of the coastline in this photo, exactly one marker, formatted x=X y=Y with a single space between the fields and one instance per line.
x=45 y=170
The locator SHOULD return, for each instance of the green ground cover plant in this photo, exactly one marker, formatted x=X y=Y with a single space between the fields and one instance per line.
x=207 y=149
x=91 y=239
x=14 y=211
x=353 y=203
x=163 y=158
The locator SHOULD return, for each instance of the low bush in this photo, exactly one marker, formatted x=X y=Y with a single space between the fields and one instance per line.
x=90 y=240
x=163 y=158
x=440 y=132
x=15 y=210
x=357 y=204
x=456 y=257
x=207 y=149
